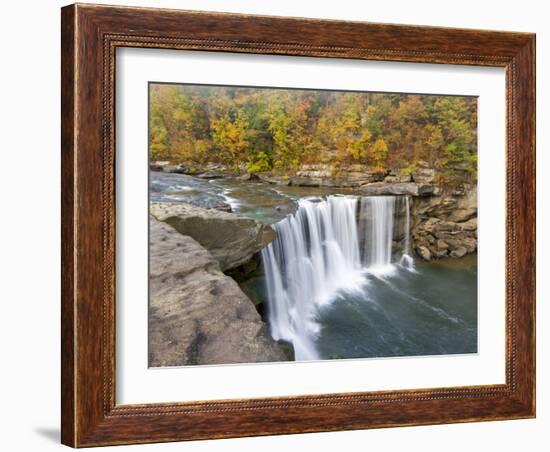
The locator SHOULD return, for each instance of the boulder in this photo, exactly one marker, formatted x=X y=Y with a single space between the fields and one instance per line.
x=446 y=225
x=358 y=178
x=470 y=244
x=313 y=181
x=466 y=207
x=470 y=225
x=459 y=252
x=430 y=224
x=423 y=175
x=324 y=175
x=453 y=242
x=198 y=315
x=273 y=179
x=231 y=239
x=158 y=165
x=393 y=178
x=400 y=188
x=439 y=207
x=179 y=169
x=424 y=253
x=439 y=253
x=452 y=207
x=441 y=245
x=248 y=176
x=211 y=175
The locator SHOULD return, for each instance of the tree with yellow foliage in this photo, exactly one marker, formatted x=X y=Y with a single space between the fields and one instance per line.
x=230 y=138
x=265 y=129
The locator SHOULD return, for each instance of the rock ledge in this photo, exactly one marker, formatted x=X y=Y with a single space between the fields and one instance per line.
x=231 y=239
x=198 y=315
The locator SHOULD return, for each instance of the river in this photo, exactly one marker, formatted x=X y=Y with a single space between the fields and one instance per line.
x=340 y=281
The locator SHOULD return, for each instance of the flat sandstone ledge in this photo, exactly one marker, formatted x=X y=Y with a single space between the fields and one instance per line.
x=231 y=239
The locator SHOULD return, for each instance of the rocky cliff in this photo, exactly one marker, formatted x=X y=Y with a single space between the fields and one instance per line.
x=197 y=314
x=444 y=220
x=445 y=225
x=231 y=239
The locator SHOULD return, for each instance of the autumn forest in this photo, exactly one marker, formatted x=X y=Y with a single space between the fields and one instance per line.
x=278 y=130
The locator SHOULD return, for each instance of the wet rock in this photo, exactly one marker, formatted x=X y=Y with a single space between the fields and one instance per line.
x=439 y=253
x=211 y=175
x=274 y=179
x=232 y=240
x=459 y=252
x=198 y=315
x=424 y=253
x=248 y=176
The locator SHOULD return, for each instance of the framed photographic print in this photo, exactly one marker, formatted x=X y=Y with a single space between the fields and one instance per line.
x=281 y=225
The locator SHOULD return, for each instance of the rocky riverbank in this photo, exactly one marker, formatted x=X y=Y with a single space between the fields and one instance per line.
x=446 y=225
x=197 y=314
x=444 y=219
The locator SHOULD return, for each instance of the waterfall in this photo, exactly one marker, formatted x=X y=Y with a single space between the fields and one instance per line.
x=320 y=251
x=378 y=212
x=316 y=253
x=406 y=259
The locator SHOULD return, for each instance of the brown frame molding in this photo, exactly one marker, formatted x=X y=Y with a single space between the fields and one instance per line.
x=90 y=35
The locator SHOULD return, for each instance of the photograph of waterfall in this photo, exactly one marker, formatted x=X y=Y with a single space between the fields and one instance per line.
x=304 y=225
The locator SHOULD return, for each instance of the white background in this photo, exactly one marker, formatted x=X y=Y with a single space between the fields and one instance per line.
x=138 y=384
x=29 y=105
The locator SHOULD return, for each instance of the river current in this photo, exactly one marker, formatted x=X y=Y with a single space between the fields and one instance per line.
x=340 y=281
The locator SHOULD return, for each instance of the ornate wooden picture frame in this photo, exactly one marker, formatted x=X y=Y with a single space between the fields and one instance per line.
x=90 y=37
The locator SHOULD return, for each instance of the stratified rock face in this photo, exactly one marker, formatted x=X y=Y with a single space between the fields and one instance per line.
x=423 y=175
x=446 y=225
x=395 y=177
x=398 y=188
x=273 y=179
x=198 y=315
x=328 y=176
x=230 y=238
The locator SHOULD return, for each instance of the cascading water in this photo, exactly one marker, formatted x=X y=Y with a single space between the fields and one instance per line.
x=323 y=249
x=406 y=259
x=378 y=214
x=315 y=254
